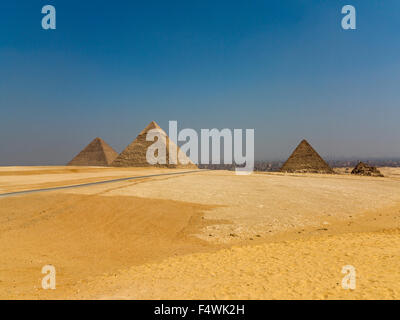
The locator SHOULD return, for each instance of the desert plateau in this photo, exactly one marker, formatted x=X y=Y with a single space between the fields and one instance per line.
x=198 y=234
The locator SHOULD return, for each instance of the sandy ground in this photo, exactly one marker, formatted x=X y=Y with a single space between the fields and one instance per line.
x=14 y=179
x=210 y=234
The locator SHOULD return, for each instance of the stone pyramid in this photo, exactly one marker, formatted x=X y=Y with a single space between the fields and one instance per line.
x=305 y=159
x=134 y=154
x=364 y=169
x=96 y=153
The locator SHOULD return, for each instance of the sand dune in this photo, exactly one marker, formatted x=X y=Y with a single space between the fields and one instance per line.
x=84 y=236
x=301 y=269
x=210 y=234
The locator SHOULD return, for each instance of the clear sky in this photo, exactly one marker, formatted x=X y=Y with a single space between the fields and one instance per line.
x=285 y=68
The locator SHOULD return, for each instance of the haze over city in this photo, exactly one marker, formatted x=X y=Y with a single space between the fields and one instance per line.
x=285 y=68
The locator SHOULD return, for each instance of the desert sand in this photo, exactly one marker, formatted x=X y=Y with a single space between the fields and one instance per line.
x=205 y=234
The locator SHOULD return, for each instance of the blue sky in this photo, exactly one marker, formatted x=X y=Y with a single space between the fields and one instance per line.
x=285 y=68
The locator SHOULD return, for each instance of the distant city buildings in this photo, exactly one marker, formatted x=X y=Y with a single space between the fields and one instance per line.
x=274 y=166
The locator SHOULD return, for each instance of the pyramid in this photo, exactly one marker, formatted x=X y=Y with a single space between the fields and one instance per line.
x=96 y=153
x=134 y=154
x=305 y=159
x=364 y=169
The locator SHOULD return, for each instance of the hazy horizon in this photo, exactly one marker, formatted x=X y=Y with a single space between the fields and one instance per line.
x=285 y=68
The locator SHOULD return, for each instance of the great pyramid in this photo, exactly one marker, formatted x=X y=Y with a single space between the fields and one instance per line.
x=364 y=169
x=96 y=153
x=305 y=159
x=134 y=154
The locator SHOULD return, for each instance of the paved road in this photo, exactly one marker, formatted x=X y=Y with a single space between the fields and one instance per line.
x=9 y=194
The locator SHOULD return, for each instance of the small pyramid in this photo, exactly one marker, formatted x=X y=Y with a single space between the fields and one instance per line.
x=364 y=169
x=134 y=154
x=96 y=153
x=305 y=159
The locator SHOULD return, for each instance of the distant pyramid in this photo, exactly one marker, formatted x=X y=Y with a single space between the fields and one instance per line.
x=134 y=154
x=305 y=159
x=96 y=153
x=364 y=169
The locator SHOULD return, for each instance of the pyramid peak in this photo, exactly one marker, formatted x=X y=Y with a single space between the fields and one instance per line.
x=304 y=141
x=97 y=139
x=150 y=126
x=154 y=124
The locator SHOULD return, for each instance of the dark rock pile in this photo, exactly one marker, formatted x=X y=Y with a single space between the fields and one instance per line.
x=364 y=169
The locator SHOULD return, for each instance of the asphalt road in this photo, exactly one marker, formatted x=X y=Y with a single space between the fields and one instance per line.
x=17 y=193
